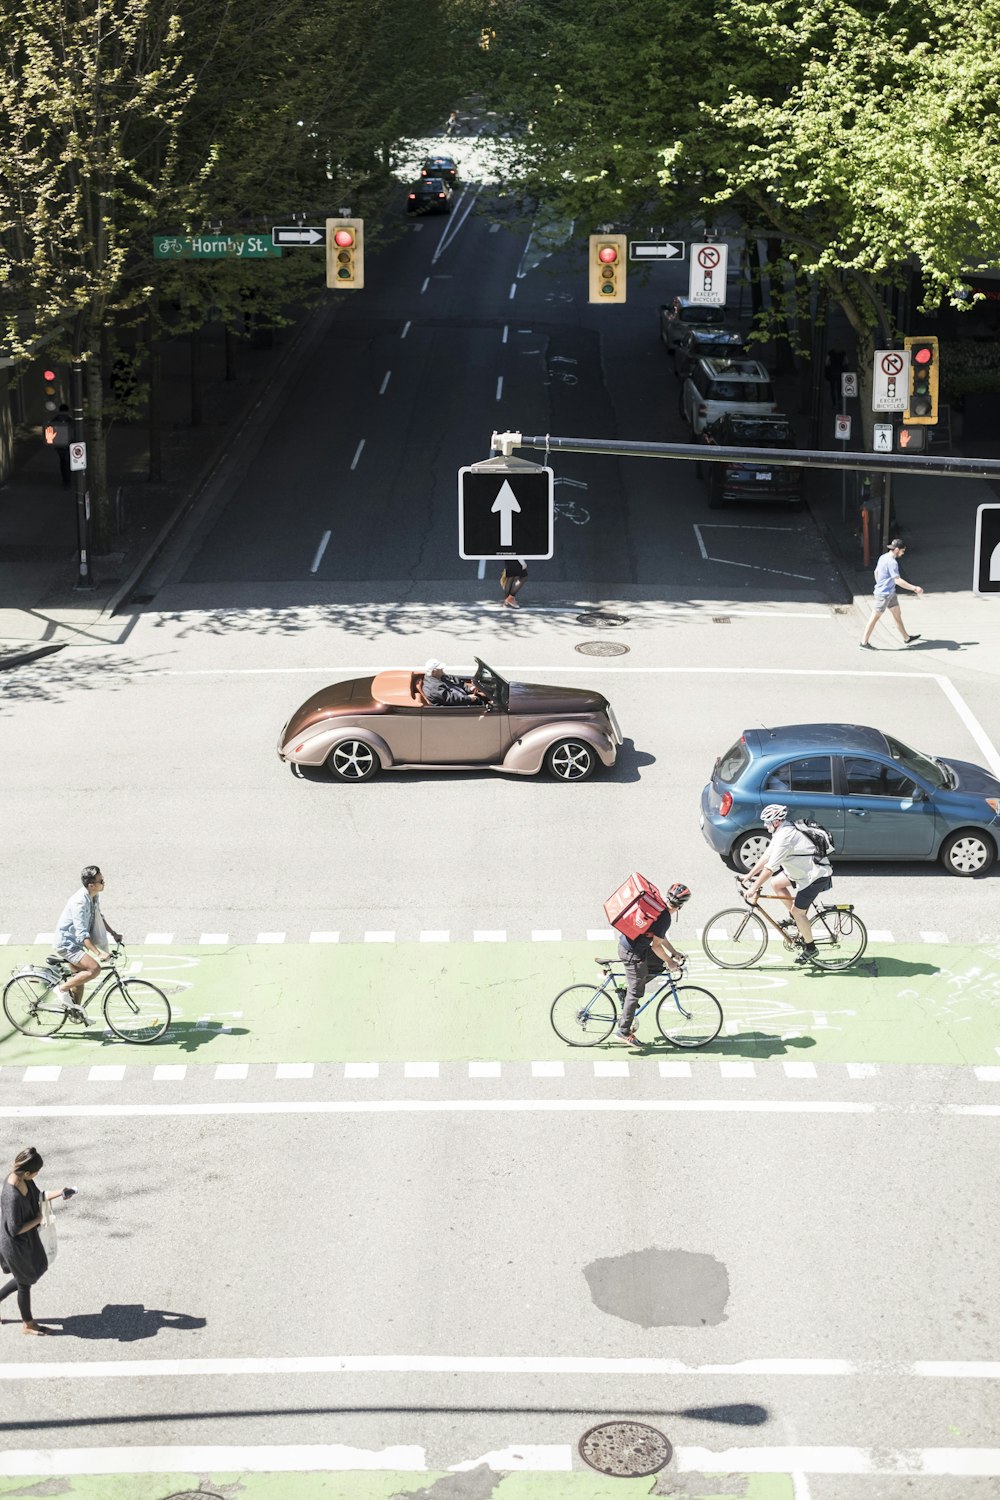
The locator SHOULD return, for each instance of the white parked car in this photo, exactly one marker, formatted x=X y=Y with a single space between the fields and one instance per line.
x=717 y=386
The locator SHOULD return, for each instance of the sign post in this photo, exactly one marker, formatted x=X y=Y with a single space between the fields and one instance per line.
x=986 y=569
x=505 y=509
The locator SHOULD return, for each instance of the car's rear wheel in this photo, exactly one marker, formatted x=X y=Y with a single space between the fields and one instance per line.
x=968 y=852
x=747 y=850
x=571 y=760
x=352 y=760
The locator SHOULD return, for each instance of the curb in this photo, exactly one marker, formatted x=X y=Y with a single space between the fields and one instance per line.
x=189 y=502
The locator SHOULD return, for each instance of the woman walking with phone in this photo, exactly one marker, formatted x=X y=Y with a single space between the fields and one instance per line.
x=22 y=1254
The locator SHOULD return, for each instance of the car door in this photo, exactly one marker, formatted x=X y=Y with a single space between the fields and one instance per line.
x=806 y=785
x=887 y=815
x=461 y=734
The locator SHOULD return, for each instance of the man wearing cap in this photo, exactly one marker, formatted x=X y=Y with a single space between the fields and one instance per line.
x=440 y=689
x=887 y=581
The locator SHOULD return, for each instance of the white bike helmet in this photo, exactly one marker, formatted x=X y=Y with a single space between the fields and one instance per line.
x=774 y=814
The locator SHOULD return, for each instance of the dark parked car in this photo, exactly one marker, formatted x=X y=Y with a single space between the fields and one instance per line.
x=440 y=166
x=681 y=310
x=704 y=341
x=877 y=797
x=429 y=195
x=731 y=482
x=370 y=724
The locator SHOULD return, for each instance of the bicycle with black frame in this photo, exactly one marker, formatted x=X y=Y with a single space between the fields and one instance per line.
x=134 y=1009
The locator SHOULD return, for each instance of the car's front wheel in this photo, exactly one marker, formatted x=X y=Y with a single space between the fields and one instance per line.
x=352 y=760
x=968 y=852
x=571 y=760
x=747 y=850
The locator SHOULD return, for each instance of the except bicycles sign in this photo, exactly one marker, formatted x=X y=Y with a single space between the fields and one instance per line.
x=213 y=247
x=890 y=384
x=707 y=280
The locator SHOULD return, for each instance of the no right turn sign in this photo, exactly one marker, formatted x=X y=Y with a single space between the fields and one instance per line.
x=986 y=570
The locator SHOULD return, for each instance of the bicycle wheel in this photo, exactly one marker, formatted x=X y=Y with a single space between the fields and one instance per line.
x=840 y=937
x=31 y=1006
x=688 y=1016
x=735 y=939
x=136 y=1010
x=583 y=1015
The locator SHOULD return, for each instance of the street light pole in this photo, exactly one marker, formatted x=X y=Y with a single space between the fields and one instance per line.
x=85 y=578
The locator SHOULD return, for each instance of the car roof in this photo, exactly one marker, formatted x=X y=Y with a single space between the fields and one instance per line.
x=441 y=161
x=735 y=369
x=792 y=739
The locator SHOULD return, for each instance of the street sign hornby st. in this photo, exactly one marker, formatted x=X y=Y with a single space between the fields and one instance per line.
x=505 y=509
x=890 y=385
x=707 y=277
x=986 y=569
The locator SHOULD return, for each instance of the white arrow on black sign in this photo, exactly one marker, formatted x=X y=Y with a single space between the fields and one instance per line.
x=297 y=235
x=505 y=509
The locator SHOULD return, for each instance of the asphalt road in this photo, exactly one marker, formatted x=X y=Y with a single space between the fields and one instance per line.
x=372 y=1156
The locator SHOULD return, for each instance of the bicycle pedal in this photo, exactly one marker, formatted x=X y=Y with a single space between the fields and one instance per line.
x=77 y=1016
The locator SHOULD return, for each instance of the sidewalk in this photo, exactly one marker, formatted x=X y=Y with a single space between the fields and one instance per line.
x=40 y=610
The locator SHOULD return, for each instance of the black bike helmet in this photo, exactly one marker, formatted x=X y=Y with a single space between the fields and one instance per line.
x=678 y=894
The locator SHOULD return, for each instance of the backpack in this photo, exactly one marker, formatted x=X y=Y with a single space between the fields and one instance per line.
x=820 y=838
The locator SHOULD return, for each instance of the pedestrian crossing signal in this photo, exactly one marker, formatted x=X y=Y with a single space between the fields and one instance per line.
x=345 y=254
x=607 y=267
x=922 y=405
x=911 y=440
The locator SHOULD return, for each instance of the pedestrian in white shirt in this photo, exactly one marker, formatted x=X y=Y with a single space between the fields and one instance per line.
x=887 y=581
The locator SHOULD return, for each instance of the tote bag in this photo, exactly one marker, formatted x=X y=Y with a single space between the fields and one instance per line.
x=47 y=1230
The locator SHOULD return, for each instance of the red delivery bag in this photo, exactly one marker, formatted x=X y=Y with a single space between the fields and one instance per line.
x=635 y=906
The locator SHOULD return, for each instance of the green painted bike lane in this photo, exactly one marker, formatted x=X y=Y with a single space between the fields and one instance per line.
x=400 y=1485
x=455 y=1002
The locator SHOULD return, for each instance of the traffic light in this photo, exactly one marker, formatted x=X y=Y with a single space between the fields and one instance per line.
x=345 y=254
x=922 y=405
x=50 y=397
x=911 y=439
x=607 y=267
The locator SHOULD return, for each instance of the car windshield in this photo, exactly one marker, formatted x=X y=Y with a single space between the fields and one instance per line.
x=751 y=392
x=491 y=684
x=696 y=313
x=925 y=767
x=730 y=767
x=760 y=434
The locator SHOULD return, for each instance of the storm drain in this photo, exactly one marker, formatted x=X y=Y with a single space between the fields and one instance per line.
x=625 y=1450
x=601 y=648
x=597 y=617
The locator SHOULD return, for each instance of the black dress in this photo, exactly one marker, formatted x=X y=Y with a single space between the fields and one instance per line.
x=21 y=1255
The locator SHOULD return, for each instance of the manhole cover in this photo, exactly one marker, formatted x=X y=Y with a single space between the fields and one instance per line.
x=596 y=617
x=625 y=1450
x=602 y=648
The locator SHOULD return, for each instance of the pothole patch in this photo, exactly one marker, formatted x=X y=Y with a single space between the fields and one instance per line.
x=625 y=1450
x=661 y=1288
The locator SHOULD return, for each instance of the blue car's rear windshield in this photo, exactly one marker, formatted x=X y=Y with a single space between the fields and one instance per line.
x=731 y=766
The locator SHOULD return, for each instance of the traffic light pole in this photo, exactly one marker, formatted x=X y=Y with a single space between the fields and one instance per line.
x=85 y=579
x=504 y=444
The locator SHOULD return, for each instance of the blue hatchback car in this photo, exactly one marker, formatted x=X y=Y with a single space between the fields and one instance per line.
x=877 y=797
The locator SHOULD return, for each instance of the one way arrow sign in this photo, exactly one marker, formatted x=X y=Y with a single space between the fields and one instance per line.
x=505 y=509
x=297 y=234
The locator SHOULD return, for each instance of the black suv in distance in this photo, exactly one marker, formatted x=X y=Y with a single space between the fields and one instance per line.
x=440 y=166
x=733 y=482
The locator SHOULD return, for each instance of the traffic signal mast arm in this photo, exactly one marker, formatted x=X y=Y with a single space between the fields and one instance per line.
x=806 y=458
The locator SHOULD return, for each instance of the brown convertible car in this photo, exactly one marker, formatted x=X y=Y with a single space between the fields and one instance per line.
x=370 y=724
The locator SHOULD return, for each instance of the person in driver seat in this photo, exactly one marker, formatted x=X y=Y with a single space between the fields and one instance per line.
x=439 y=688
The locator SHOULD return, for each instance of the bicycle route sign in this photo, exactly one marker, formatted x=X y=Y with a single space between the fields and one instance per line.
x=505 y=509
x=213 y=247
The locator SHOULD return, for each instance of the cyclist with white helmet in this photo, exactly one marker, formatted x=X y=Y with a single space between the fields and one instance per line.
x=646 y=955
x=797 y=871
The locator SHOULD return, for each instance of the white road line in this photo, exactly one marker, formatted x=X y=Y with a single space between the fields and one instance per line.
x=4 y=937
x=732 y=1069
x=861 y=1070
x=272 y=937
x=611 y=1068
x=421 y=1070
x=548 y=1070
x=671 y=1069
x=213 y=939
x=547 y=935
x=42 y=1073
x=45 y=937
x=934 y=937
x=324 y=540
x=481 y=570
x=484 y=1070
x=322 y=1458
x=157 y=937
x=876 y=936
x=361 y=1070
x=106 y=1073
x=799 y=1069
x=435 y=935
x=380 y=937
x=485 y=1364
x=406 y=329
x=513 y=291
x=499 y=386
x=324 y=937
x=232 y=1071
x=294 y=1070
x=971 y=723
x=385 y=381
x=474 y=1106
x=169 y=1072
x=357 y=454
x=489 y=935
x=987 y=1075
x=503 y=338
x=427 y=282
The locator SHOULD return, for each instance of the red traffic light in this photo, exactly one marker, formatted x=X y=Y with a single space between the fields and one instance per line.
x=922 y=354
x=607 y=253
x=344 y=237
x=48 y=375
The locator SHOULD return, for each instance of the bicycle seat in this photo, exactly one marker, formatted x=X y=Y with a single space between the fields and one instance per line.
x=607 y=960
x=56 y=959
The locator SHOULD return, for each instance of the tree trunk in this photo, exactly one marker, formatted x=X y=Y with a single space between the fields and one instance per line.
x=784 y=364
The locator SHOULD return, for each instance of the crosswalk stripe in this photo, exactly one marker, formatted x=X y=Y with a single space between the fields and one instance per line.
x=295 y=1070
x=730 y=1068
x=484 y=1070
x=324 y=937
x=270 y=937
x=421 y=1070
x=361 y=1070
x=380 y=937
x=169 y=1072
x=548 y=1070
x=106 y=1073
x=798 y=1069
x=231 y=1070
